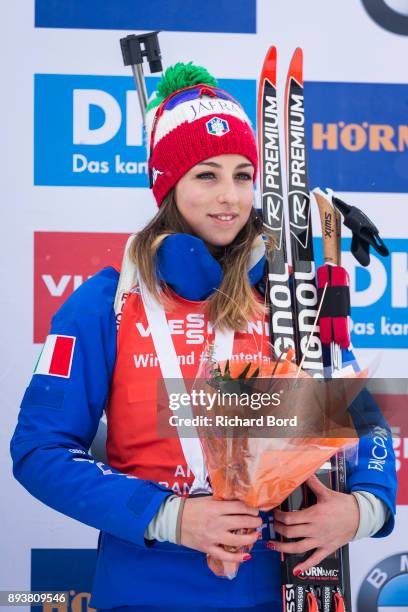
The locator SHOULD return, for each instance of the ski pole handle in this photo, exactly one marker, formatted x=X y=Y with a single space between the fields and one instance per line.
x=329 y=227
x=337 y=218
x=134 y=50
x=334 y=327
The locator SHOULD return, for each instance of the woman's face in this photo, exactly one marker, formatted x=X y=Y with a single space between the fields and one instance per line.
x=215 y=198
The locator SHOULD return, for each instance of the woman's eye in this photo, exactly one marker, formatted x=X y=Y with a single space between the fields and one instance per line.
x=244 y=176
x=205 y=175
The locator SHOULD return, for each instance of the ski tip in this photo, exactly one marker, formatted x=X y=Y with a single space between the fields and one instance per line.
x=270 y=64
x=272 y=54
x=296 y=66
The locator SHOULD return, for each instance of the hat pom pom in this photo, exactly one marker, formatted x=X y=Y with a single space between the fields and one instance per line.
x=178 y=77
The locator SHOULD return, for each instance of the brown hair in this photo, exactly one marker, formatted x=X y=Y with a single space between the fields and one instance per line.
x=234 y=302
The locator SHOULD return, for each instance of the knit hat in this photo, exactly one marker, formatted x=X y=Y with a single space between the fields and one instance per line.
x=189 y=119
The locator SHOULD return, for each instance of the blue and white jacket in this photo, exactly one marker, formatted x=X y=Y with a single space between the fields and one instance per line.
x=57 y=423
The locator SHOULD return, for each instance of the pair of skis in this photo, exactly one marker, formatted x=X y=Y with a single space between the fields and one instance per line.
x=294 y=305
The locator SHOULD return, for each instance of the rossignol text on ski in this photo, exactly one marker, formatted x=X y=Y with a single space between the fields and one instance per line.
x=325 y=585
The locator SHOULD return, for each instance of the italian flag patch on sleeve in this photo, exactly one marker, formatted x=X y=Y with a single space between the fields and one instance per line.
x=56 y=356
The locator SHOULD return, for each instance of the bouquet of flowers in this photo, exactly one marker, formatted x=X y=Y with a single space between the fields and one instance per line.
x=251 y=461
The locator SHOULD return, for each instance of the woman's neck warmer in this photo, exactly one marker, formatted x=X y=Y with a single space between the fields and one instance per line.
x=186 y=265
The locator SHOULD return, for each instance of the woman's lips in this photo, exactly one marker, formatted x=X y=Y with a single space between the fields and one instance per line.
x=224 y=219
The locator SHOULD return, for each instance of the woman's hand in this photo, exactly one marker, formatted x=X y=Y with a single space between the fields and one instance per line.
x=207 y=525
x=324 y=527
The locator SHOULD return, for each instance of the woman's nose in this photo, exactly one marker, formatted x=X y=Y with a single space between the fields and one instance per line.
x=227 y=195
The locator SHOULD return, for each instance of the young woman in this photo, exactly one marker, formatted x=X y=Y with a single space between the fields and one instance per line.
x=190 y=277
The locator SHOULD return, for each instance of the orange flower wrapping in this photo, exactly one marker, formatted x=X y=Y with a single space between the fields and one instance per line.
x=263 y=472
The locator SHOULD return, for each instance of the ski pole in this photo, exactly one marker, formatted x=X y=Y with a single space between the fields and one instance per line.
x=334 y=332
x=334 y=318
x=134 y=49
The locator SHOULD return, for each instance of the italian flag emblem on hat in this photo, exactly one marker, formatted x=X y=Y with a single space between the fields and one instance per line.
x=56 y=356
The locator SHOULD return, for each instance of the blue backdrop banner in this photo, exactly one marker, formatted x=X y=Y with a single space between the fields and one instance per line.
x=357 y=134
x=173 y=15
x=89 y=133
x=66 y=570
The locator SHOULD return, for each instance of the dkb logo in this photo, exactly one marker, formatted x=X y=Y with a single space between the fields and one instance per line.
x=88 y=129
